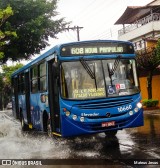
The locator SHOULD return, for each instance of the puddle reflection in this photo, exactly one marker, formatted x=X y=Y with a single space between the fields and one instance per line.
x=149 y=134
x=151 y=125
x=147 y=137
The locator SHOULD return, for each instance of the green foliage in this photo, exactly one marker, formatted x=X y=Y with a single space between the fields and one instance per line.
x=5 y=83
x=5 y=13
x=34 y=22
x=1 y=55
x=150 y=102
x=6 y=33
x=148 y=59
x=8 y=70
x=158 y=49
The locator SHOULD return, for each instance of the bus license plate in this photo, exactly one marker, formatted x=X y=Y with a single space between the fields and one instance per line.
x=108 y=124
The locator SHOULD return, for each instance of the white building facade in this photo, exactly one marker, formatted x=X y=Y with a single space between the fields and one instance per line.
x=141 y=25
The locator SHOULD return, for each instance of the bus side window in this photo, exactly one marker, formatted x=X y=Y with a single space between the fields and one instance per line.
x=21 y=84
x=12 y=86
x=42 y=76
x=19 y=80
x=34 y=79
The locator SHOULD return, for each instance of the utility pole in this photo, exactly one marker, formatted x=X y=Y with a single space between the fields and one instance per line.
x=77 y=28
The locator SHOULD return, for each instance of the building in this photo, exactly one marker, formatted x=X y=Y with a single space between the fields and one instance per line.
x=141 y=25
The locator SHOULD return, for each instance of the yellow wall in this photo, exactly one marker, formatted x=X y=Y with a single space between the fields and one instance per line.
x=151 y=43
x=155 y=87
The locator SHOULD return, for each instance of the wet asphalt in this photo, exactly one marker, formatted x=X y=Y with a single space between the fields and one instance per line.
x=131 y=147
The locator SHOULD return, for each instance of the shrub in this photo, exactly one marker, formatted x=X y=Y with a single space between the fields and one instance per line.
x=150 y=102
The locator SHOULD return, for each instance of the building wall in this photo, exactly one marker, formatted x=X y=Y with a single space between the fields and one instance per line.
x=142 y=31
x=155 y=87
x=151 y=43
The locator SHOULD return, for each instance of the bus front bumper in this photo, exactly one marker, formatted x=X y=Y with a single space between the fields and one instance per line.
x=70 y=127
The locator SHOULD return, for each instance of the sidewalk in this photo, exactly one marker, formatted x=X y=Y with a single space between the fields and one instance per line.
x=152 y=111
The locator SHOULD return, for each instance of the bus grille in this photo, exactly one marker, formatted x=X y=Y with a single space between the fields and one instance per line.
x=104 y=104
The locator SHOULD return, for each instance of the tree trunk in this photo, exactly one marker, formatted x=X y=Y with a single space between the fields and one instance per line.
x=149 y=84
x=1 y=106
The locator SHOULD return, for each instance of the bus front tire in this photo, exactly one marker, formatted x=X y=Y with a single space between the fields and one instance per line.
x=111 y=133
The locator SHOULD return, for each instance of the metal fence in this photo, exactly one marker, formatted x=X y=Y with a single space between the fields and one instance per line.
x=150 y=18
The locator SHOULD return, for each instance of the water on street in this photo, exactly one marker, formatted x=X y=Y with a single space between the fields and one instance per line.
x=134 y=143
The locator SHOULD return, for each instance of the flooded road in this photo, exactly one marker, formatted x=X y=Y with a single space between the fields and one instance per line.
x=127 y=145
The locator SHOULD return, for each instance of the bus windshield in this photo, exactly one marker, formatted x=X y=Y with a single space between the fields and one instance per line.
x=94 y=79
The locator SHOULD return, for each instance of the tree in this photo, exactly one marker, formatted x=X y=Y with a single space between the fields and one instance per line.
x=158 y=49
x=34 y=22
x=5 y=34
x=5 y=83
x=148 y=59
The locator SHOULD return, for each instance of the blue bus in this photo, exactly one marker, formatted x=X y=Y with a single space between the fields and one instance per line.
x=79 y=88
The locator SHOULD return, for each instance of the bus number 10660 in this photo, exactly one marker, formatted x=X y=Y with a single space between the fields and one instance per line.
x=124 y=108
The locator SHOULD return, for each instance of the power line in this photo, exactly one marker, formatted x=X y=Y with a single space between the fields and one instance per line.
x=109 y=33
x=77 y=28
x=70 y=36
x=84 y=11
x=105 y=21
x=96 y=8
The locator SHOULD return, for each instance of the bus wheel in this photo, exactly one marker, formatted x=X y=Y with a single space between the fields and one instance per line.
x=111 y=133
x=24 y=126
x=49 y=129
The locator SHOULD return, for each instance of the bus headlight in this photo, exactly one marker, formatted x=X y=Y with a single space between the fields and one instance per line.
x=74 y=117
x=139 y=105
x=131 y=113
x=67 y=113
x=82 y=119
x=136 y=109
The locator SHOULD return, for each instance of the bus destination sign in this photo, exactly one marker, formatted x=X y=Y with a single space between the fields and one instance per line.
x=95 y=50
x=98 y=48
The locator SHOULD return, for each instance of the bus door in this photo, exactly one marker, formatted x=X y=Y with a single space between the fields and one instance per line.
x=53 y=83
x=16 y=104
x=27 y=96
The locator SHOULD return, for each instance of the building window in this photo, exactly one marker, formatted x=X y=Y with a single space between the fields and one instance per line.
x=135 y=46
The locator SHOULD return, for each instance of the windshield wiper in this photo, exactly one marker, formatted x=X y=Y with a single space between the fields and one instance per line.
x=91 y=73
x=112 y=70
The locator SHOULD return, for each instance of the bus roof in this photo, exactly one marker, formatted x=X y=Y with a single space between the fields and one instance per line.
x=36 y=60
x=56 y=49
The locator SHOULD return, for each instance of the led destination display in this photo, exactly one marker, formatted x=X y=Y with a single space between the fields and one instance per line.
x=96 y=48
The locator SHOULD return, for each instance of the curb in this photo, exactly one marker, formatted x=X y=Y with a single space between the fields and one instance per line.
x=152 y=111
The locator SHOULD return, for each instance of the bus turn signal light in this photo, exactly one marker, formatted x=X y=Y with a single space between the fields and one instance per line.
x=67 y=113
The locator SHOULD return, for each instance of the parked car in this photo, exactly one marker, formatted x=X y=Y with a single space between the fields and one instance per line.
x=9 y=105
